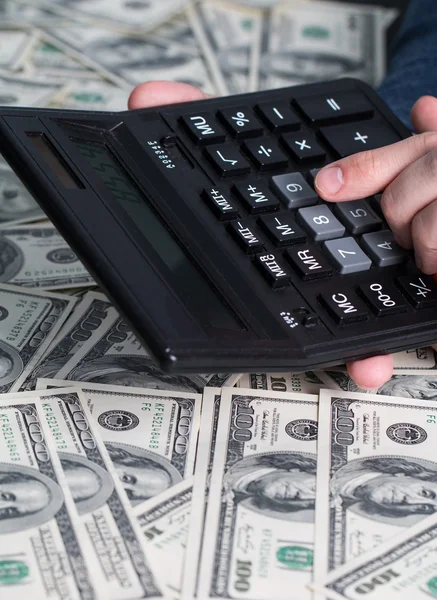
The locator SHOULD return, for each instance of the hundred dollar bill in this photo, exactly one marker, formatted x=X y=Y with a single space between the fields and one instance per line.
x=202 y=480
x=36 y=256
x=306 y=383
x=116 y=357
x=165 y=526
x=24 y=91
x=13 y=12
x=151 y=435
x=404 y=568
x=43 y=550
x=13 y=44
x=129 y=16
x=16 y=203
x=115 y=538
x=29 y=321
x=420 y=358
x=411 y=383
x=92 y=94
x=84 y=323
x=258 y=539
x=136 y=59
x=376 y=472
x=229 y=36
x=306 y=42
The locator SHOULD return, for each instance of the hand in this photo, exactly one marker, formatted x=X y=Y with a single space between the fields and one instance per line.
x=405 y=169
x=407 y=172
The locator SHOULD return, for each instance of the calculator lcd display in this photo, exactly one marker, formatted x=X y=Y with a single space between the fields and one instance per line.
x=188 y=281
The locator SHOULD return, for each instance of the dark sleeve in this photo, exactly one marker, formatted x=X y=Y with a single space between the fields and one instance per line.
x=412 y=70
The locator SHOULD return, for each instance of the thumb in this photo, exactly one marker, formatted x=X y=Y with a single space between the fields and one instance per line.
x=424 y=114
x=367 y=173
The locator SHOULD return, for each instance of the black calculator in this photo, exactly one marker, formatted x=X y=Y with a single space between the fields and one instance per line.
x=202 y=224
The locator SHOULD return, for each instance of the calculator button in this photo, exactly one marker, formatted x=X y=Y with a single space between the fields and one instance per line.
x=266 y=154
x=303 y=146
x=376 y=203
x=331 y=107
x=227 y=160
x=356 y=137
x=293 y=190
x=420 y=290
x=358 y=217
x=320 y=222
x=383 y=297
x=344 y=307
x=383 y=249
x=220 y=203
x=282 y=229
x=257 y=197
x=347 y=255
x=309 y=262
x=272 y=270
x=245 y=234
x=279 y=116
x=204 y=128
x=312 y=175
x=241 y=122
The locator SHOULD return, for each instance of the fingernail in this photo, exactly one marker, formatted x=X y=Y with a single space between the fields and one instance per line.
x=330 y=180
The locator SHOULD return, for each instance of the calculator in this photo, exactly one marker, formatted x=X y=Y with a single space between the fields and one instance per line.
x=201 y=222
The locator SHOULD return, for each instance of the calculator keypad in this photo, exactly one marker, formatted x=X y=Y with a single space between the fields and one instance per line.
x=268 y=163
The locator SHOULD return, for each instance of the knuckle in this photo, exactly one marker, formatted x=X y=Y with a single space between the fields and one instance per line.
x=424 y=233
x=427 y=139
x=431 y=163
x=388 y=204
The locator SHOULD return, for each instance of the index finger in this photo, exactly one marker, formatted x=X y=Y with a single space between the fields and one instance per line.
x=368 y=173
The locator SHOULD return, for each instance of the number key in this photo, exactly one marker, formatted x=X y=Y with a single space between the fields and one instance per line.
x=357 y=216
x=347 y=255
x=293 y=190
x=383 y=249
x=320 y=222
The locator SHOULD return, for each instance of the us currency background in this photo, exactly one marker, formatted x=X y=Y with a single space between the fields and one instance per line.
x=120 y=481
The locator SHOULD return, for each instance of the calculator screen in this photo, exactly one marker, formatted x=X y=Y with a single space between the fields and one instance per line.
x=200 y=296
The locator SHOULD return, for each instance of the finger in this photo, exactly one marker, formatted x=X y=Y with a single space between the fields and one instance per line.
x=371 y=373
x=424 y=236
x=159 y=93
x=367 y=173
x=411 y=192
x=424 y=114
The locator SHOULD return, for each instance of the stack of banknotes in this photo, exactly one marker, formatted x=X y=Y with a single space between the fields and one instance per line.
x=118 y=481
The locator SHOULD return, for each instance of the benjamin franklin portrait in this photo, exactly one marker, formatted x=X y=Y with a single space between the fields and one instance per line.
x=142 y=473
x=28 y=498
x=394 y=489
x=420 y=387
x=278 y=484
x=89 y=484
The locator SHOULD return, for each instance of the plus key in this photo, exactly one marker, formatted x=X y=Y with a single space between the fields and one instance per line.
x=356 y=137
